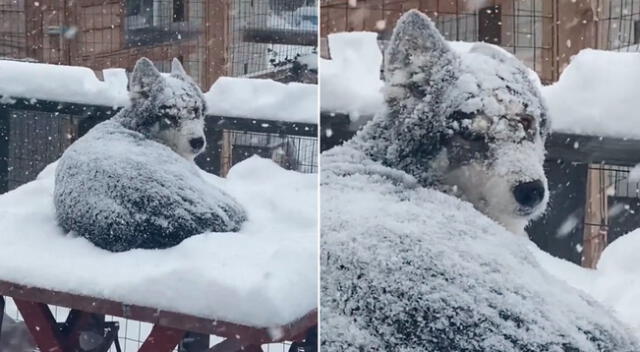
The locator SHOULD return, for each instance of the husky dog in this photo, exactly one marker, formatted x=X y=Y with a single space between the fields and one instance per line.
x=131 y=182
x=472 y=124
x=406 y=267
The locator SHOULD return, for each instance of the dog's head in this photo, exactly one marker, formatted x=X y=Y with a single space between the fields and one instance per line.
x=167 y=108
x=473 y=123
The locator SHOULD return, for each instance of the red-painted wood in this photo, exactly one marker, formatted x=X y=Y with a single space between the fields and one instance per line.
x=42 y=325
x=162 y=339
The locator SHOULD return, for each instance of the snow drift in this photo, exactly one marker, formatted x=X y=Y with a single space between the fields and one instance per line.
x=264 y=275
x=410 y=268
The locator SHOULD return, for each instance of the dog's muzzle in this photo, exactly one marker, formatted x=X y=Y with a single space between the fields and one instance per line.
x=529 y=195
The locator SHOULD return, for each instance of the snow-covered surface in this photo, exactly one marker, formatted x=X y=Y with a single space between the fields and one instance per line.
x=72 y=84
x=350 y=82
x=228 y=96
x=263 y=98
x=410 y=268
x=597 y=94
x=264 y=275
x=615 y=283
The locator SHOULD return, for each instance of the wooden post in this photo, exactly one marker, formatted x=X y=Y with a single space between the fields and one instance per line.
x=595 y=217
x=42 y=325
x=162 y=339
x=216 y=38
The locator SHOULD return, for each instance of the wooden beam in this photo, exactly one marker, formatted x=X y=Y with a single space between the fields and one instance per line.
x=280 y=36
x=162 y=339
x=42 y=325
x=40 y=297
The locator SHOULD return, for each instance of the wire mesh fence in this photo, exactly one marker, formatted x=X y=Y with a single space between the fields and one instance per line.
x=620 y=25
x=268 y=35
x=34 y=134
x=544 y=34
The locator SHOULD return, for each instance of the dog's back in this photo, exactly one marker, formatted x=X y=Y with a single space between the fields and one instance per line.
x=122 y=190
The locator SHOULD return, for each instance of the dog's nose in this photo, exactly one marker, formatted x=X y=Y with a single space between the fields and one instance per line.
x=529 y=194
x=197 y=143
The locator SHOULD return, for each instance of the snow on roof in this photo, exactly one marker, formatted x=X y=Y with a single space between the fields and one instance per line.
x=264 y=275
x=228 y=96
x=263 y=98
x=597 y=94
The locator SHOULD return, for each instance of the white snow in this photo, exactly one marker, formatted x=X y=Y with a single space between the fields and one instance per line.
x=264 y=275
x=228 y=96
x=350 y=82
x=72 y=84
x=597 y=94
x=263 y=98
x=616 y=281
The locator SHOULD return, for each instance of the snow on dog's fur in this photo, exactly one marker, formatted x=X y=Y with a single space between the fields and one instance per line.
x=406 y=267
x=131 y=182
x=471 y=124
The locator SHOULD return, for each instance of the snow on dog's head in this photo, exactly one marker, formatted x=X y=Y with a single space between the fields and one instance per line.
x=167 y=108
x=471 y=123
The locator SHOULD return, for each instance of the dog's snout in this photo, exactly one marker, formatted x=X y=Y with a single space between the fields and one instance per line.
x=197 y=143
x=529 y=194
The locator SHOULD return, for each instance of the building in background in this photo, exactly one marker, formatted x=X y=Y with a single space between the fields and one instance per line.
x=253 y=38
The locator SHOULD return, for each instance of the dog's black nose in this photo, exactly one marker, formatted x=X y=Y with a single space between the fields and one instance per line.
x=529 y=194
x=197 y=143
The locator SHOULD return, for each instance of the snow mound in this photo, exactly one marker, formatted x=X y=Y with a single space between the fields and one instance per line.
x=410 y=268
x=615 y=283
x=264 y=275
x=610 y=104
x=122 y=190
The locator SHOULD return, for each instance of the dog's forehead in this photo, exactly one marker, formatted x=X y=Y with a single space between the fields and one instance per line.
x=179 y=93
x=494 y=86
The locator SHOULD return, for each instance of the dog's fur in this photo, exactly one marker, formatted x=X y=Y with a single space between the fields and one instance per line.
x=131 y=182
x=406 y=267
x=471 y=124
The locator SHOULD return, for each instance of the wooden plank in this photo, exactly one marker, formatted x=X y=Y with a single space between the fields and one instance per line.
x=155 y=316
x=593 y=149
x=42 y=325
x=162 y=339
x=595 y=218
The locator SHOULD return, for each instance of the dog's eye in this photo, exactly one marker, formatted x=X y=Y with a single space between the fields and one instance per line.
x=526 y=122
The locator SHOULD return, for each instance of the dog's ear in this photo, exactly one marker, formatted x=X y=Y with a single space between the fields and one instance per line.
x=418 y=61
x=144 y=77
x=177 y=69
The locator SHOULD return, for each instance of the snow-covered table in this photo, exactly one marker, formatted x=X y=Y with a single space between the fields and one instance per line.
x=252 y=287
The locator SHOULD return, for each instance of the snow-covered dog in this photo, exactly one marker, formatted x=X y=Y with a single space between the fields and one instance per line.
x=471 y=124
x=131 y=182
x=406 y=267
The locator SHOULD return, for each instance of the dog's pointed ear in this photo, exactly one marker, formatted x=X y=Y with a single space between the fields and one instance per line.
x=176 y=68
x=418 y=60
x=144 y=76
